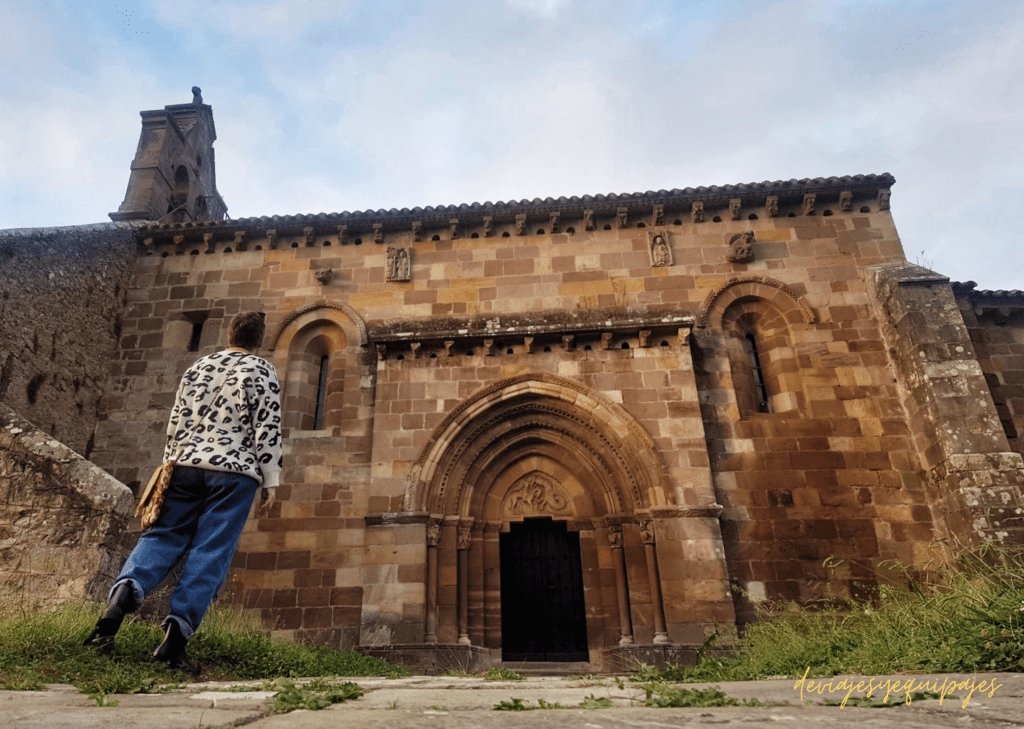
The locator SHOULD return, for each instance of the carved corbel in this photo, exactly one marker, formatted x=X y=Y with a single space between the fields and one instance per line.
x=622 y=215
x=808 y=207
x=271 y=239
x=588 y=220
x=417 y=230
x=382 y=351
x=845 y=201
x=488 y=226
x=178 y=240
x=771 y=204
x=448 y=344
x=239 y=241
x=659 y=215
x=489 y=349
x=568 y=342
x=208 y=240
x=521 y=224
x=697 y=212
x=883 y=198
x=324 y=276
x=417 y=350
x=644 y=337
x=683 y=337
x=148 y=243
x=453 y=228
x=378 y=232
x=741 y=248
x=554 y=223
x=342 y=235
x=309 y=235
x=528 y=345
x=735 y=208
x=606 y=340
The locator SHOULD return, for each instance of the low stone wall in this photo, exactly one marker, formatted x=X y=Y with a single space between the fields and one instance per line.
x=62 y=519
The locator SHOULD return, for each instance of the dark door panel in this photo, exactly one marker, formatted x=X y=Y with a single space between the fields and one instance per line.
x=543 y=617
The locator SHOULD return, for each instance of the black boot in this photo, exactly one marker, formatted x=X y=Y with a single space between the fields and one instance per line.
x=102 y=636
x=172 y=651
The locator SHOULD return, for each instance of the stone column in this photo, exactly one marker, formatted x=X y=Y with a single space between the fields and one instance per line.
x=433 y=535
x=657 y=605
x=464 y=533
x=621 y=587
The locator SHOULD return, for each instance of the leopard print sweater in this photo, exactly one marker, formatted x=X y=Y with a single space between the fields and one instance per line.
x=241 y=431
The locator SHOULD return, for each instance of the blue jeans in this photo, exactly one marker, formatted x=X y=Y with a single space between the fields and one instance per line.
x=202 y=517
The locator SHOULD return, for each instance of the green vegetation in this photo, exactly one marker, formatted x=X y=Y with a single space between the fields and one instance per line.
x=966 y=617
x=311 y=695
x=590 y=702
x=37 y=648
x=664 y=697
x=503 y=674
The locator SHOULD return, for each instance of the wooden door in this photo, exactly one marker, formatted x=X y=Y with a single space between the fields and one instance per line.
x=542 y=612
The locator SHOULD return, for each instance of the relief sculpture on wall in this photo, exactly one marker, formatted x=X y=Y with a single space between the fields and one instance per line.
x=661 y=253
x=536 y=495
x=399 y=264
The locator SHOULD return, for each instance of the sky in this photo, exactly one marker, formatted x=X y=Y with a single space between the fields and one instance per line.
x=346 y=105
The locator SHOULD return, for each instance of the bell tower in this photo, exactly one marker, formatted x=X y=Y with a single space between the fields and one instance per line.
x=173 y=178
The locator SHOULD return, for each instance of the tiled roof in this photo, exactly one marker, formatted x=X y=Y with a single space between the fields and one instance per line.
x=968 y=288
x=752 y=194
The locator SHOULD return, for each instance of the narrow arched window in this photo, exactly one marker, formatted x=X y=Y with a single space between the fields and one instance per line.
x=321 y=394
x=760 y=389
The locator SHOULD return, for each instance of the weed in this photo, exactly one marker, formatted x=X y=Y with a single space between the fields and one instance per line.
x=458 y=673
x=513 y=705
x=874 y=702
x=102 y=699
x=437 y=708
x=662 y=696
x=313 y=695
x=964 y=616
x=594 y=702
x=503 y=674
x=591 y=702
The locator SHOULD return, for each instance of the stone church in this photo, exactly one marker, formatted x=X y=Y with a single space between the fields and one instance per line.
x=587 y=430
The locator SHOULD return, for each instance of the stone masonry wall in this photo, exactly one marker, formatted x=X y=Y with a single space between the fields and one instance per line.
x=830 y=473
x=62 y=296
x=63 y=521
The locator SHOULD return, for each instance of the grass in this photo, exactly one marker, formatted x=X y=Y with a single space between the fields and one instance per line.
x=966 y=617
x=37 y=648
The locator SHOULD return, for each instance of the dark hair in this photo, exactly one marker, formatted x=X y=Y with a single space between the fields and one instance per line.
x=246 y=330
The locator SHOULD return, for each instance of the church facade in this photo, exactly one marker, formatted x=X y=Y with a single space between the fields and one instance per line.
x=591 y=429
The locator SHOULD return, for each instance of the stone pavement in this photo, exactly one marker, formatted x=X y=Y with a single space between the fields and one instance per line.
x=453 y=703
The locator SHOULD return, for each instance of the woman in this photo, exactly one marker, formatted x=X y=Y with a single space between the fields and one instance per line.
x=225 y=430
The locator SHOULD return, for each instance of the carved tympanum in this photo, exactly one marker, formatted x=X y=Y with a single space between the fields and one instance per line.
x=536 y=494
x=741 y=248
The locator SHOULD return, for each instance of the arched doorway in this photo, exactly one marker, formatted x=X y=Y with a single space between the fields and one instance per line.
x=533 y=488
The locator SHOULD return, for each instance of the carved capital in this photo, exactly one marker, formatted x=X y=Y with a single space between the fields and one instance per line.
x=771 y=204
x=647 y=531
x=697 y=212
x=464 y=532
x=433 y=531
x=615 y=535
x=735 y=208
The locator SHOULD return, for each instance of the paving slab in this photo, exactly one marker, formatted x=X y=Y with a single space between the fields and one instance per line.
x=442 y=703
